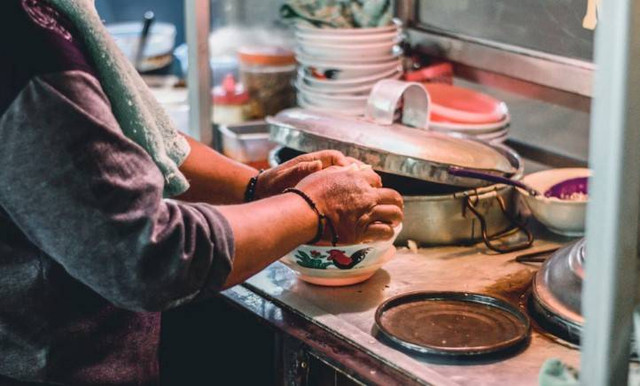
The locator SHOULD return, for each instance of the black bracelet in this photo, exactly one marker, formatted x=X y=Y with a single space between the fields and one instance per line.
x=322 y=219
x=250 y=192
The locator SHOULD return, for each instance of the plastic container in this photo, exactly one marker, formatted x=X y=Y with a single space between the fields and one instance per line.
x=231 y=103
x=269 y=74
x=435 y=73
x=457 y=105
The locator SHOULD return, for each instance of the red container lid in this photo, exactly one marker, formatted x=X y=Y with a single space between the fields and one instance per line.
x=439 y=72
x=453 y=104
x=266 y=56
x=230 y=92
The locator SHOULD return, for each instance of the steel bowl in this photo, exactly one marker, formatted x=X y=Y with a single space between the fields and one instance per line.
x=564 y=217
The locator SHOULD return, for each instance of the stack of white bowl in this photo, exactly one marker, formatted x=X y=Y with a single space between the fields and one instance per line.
x=339 y=67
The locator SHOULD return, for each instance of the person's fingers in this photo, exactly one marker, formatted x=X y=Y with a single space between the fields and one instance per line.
x=371 y=177
x=352 y=160
x=389 y=197
x=346 y=161
x=300 y=159
x=378 y=231
x=389 y=214
x=334 y=169
x=327 y=157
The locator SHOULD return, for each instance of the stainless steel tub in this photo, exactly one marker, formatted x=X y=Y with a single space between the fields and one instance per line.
x=446 y=219
x=444 y=215
x=247 y=143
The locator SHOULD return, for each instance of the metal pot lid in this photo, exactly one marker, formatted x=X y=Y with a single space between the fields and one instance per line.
x=557 y=289
x=452 y=323
x=405 y=148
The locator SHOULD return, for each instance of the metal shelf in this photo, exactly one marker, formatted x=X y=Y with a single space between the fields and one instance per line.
x=198 y=28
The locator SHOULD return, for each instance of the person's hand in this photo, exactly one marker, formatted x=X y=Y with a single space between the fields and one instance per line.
x=287 y=175
x=353 y=198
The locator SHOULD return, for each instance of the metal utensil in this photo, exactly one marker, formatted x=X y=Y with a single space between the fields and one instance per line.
x=149 y=18
x=561 y=190
x=462 y=172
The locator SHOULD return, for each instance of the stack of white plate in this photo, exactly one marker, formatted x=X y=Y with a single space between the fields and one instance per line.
x=490 y=132
x=339 y=67
x=457 y=110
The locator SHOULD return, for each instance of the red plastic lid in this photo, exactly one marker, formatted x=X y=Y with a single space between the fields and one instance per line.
x=439 y=72
x=230 y=92
x=453 y=104
x=266 y=56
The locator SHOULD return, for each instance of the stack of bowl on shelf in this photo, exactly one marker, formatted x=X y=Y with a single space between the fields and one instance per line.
x=339 y=67
x=461 y=111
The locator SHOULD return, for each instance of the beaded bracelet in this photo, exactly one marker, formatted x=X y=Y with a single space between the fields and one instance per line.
x=250 y=192
x=322 y=219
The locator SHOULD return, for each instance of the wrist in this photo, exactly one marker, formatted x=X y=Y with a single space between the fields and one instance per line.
x=251 y=190
x=323 y=221
x=305 y=217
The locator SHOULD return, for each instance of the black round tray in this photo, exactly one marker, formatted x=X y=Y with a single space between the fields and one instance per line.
x=452 y=323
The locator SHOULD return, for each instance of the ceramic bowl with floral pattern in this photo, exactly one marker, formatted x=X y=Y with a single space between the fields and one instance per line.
x=342 y=264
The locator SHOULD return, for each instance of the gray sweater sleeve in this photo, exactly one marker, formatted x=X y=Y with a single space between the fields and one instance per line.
x=91 y=199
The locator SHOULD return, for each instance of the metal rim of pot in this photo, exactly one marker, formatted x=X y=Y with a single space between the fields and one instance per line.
x=287 y=134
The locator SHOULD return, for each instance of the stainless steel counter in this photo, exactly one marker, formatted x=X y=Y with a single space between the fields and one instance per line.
x=349 y=311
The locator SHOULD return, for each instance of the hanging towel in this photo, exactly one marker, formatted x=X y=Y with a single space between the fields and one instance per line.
x=339 y=13
x=139 y=115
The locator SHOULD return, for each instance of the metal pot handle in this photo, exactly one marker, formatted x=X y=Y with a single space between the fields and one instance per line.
x=387 y=94
x=516 y=227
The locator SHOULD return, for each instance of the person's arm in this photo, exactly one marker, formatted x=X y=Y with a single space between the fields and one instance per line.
x=214 y=178
x=91 y=200
x=265 y=230
x=351 y=197
x=218 y=180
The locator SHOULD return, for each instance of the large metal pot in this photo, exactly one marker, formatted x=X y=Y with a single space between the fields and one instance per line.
x=447 y=219
x=443 y=215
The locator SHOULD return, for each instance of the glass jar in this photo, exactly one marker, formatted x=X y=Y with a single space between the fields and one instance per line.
x=268 y=74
